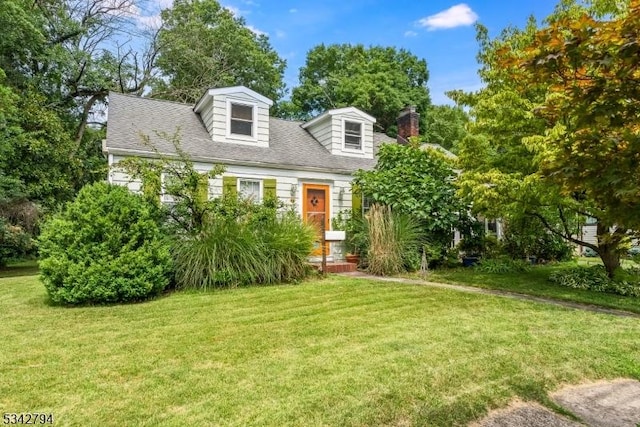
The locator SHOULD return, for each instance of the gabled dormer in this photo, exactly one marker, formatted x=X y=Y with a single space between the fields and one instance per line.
x=344 y=132
x=236 y=115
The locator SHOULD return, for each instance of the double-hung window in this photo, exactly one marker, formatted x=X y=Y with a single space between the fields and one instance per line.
x=241 y=120
x=352 y=135
x=250 y=189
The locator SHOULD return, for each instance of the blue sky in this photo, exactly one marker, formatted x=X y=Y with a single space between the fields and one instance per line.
x=446 y=41
x=439 y=31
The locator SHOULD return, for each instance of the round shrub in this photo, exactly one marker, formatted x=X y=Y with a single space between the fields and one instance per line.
x=105 y=247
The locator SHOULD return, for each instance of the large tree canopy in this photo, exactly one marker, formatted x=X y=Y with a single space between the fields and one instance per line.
x=378 y=80
x=553 y=135
x=445 y=125
x=202 y=45
x=58 y=61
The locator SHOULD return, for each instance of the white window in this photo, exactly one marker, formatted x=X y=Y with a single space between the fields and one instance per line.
x=250 y=189
x=241 y=119
x=166 y=179
x=352 y=135
x=366 y=204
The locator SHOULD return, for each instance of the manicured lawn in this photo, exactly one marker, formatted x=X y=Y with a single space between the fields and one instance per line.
x=22 y=268
x=534 y=282
x=334 y=352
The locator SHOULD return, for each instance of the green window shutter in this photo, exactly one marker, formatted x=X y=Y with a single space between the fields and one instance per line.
x=202 y=192
x=229 y=186
x=151 y=185
x=269 y=188
x=356 y=202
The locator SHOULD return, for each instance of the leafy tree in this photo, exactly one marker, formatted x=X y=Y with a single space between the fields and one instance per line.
x=445 y=125
x=418 y=182
x=60 y=59
x=202 y=45
x=591 y=146
x=378 y=80
x=74 y=52
x=549 y=94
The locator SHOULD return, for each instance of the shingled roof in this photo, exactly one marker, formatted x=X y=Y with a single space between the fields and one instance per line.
x=290 y=146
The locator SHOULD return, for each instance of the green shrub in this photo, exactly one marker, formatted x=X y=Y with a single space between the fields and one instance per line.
x=391 y=240
x=15 y=242
x=244 y=244
x=526 y=237
x=502 y=265
x=595 y=278
x=105 y=247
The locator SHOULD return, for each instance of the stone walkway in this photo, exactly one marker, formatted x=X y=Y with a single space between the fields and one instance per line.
x=506 y=294
x=602 y=404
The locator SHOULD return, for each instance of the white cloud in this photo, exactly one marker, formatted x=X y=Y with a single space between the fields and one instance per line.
x=410 y=33
x=164 y=4
x=459 y=15
x=256 y=31
x=234 y=10
x=294 y=10
x=280 y=34
x=152 y=22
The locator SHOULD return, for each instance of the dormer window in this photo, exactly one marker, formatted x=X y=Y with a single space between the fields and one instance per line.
x=241 y=119
x=352 y=135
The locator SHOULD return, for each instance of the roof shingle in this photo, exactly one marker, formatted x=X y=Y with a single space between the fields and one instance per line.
x=290 y=146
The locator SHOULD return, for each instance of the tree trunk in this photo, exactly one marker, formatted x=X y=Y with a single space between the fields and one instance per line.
x=610 y=258
x=608 y=248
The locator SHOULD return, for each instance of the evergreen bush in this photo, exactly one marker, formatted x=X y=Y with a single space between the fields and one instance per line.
x=105 y=247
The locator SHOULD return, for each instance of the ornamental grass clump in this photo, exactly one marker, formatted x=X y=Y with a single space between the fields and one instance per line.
x=392 y=239
x=244 y=244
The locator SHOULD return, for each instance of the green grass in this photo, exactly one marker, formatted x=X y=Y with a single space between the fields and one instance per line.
x=20 y=268
x=534 y=282
x=334 y=352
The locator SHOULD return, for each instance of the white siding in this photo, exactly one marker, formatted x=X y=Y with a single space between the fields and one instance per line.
x=323 y=132
x=221 y=120
x=207 y=115
x=215 y=116
x=288 y=186
x=330 y=133
x=338 y=136
x=590 y=234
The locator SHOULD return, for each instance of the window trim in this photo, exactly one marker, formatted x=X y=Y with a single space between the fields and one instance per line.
x=165 y=198
x=366 y=204
x=344 y=135
x=250 y=179
x=254 y=124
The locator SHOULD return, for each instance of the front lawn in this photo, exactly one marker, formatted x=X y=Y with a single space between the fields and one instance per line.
x=334 y=352
x=534 y=282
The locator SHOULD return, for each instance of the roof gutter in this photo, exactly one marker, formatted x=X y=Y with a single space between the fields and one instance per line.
x=151 y=154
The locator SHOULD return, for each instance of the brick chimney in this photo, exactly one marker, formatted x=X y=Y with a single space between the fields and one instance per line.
x=408 y=124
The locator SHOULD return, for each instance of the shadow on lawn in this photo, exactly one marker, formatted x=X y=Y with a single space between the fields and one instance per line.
x=23 y=268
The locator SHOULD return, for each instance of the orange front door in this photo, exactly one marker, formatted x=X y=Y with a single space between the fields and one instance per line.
x=315 y=210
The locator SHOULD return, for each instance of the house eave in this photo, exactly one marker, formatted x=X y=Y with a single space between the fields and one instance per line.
x=216 y=160
x=230 y=91
x=338 y=111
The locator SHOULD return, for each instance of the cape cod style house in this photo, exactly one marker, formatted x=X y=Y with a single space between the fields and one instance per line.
x=305 y=164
